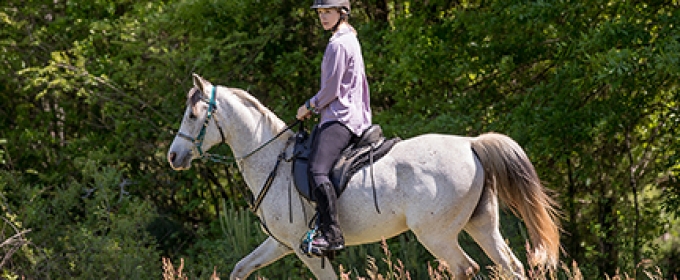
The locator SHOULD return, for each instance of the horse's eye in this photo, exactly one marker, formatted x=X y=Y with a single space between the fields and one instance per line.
x=192 y=116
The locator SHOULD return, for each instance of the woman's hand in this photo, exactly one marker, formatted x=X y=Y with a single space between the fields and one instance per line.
x=303 y=113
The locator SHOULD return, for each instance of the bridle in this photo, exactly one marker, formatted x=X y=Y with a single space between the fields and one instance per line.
x=198 y=141
x=253 y=202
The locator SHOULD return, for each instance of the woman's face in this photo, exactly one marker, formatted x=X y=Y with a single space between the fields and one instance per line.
x=328 y=17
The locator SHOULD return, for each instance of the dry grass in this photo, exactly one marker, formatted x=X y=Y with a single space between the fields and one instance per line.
x=170 y=273
x=397 y=271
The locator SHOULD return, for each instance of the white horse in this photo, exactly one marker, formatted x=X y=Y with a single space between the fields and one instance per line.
x=434 y=185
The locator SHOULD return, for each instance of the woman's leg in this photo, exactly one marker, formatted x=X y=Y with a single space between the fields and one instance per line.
x=331 y=139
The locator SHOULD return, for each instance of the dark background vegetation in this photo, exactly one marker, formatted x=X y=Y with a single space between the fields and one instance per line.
x=93 y=90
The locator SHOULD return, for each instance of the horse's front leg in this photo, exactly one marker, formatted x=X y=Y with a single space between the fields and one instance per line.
x=322 y=269
x=268 y=252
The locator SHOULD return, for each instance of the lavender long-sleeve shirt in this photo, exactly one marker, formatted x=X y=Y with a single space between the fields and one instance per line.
x=344 y=94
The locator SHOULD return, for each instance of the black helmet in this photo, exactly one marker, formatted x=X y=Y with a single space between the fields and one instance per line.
x=332 y=4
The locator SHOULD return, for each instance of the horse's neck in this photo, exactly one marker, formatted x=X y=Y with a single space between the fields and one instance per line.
x=248 y=131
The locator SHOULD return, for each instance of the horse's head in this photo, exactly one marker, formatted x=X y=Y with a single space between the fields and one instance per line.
x=199 y=130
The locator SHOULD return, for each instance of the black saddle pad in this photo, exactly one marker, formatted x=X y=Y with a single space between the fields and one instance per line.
x=370 y=147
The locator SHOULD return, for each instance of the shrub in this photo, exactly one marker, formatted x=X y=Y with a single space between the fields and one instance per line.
x=86 y=227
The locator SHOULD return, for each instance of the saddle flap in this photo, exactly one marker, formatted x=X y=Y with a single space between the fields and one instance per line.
x=301 y=152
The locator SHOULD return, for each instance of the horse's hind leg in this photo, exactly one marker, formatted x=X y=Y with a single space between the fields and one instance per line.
x=483 y=227
x=442 y=242
x=446 y=248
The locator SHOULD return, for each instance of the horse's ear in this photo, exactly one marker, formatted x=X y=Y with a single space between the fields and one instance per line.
x=200 y=83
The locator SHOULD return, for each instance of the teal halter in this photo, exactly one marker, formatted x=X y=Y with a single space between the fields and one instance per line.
x=198 y=141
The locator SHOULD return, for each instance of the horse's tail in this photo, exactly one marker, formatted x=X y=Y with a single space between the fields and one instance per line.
x=508 y=170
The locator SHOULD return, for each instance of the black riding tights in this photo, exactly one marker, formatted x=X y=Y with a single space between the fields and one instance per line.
x=330 y=140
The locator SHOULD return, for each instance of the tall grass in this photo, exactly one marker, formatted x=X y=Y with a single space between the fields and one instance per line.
x=172 y=273
x=396 y=260
x=239 y=228
x=397 y=271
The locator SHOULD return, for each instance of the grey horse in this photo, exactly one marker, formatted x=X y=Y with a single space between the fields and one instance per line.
x=433 y=185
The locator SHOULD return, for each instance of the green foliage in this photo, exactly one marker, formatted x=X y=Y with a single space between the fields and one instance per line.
x=93 y=91
x=3 y=142
x=83 y=228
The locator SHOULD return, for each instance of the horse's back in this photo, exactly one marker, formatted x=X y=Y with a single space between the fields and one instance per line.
x=434 y=147
x=434 y=163
x=427 y=179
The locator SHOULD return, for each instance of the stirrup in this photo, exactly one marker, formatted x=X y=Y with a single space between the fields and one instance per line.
x=327 y=245
x=308 y=248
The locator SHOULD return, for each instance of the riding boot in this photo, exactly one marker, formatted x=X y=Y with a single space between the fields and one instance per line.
x=331 y=236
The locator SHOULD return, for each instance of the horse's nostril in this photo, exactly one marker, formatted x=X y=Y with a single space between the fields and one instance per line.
x=172 y=156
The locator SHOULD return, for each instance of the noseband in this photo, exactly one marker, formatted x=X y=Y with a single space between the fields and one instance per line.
x=198 y=141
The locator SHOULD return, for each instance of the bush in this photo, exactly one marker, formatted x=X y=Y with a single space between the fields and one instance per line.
x=86 y=227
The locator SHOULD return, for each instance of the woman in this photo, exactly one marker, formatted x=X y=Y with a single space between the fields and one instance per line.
x=344 y=108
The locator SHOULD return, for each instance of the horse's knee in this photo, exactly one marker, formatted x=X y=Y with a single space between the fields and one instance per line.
x=235 y=275
x=240 y=271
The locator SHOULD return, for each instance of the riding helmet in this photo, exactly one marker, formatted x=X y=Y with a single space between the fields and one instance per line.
x=344 y=4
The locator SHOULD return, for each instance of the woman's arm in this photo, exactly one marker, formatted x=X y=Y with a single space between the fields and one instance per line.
x=333 y=69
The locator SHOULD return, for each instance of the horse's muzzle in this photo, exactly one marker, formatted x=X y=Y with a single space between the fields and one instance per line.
x=179 y=162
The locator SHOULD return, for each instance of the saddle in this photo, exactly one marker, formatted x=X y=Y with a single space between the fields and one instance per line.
x=369 y=148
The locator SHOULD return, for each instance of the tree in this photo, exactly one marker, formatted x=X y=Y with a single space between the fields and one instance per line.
x=589 y=89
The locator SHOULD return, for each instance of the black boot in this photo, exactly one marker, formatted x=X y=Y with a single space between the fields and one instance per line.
x=331 y=238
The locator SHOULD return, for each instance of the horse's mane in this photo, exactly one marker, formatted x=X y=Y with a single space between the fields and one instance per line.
x=248 y=99
x=194 y=96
